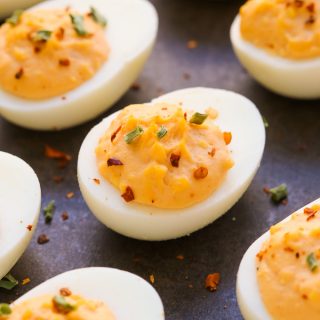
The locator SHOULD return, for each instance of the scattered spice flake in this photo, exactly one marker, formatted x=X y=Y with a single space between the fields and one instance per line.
x=42 y=239
x=310 y=212
x=227 y=137
x=212 y=152
x=96 y=180
x=113 y=136
x=64 y=98
x=64 y=62
x=151 y=278
x=174 y=159
x=70 y=195
x=310 y=7
x=128 y=195
x=36 y=49
x=60 y=34
x=19 y=74
x=57 y=179
x=64 y=216
x=114 y=162
x=180 y=257
x=136 y=86
x=8 y=282
x=192 y=44
x=310 y=20
x=186 y=76
x=49 y=211
x=65 y=292
x=200 y=173
x=29 y=227
x=266 y=190
x=25 y=281
x=185 y=116
x=53 y=153
x=298 y=3
x=212 y=281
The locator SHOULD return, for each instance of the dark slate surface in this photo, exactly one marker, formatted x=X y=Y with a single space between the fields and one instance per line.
x=292 y=155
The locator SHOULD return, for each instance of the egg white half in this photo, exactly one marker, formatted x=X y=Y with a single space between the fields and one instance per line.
x=20 y=200
x=128 y=296
x=291 y=78
x=248 y=293
x=7 y=7
x=236 y=114
x=131 y=32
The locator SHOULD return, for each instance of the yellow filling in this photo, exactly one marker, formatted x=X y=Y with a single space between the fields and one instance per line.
x=289 y=281
x=182 y=168
x=32 y=68
x=287 y=28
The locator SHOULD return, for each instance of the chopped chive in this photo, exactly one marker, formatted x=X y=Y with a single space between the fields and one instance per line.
x=49 y=211
x=98 y=17
x=15 y=18
x=279 y=193
x=265 y=122
x=8 y=282
x=5 y=309
x=132 y=135
x=312 y=262
x=41 y=36
x=162 y=132
x=78 y=24
x=62 y=305
x=198 y=118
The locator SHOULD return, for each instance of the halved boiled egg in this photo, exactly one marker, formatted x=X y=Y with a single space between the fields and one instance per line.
x=279 y=276
x=20 y=198
x=7 y=7
x=277 y=42
x=90 y=293
x=64 y=62
x=169 y=167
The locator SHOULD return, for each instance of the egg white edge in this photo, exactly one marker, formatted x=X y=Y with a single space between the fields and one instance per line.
x=118 y=289
x=13 y=252
x=163 y=224
x=110 y=82
x=248 y=294
x=283 y=76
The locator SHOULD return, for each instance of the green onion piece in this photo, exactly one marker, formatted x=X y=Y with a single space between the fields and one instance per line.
x=15 y=18
x=198 y=118
x=49 y=211
x=265 y=122
x=41 y=36
x=62 y=305
x=98 y=17
x=279 y=193
x=8 y=282
x=132 y=135
x=312 y=262
x=162 y=132
x=78 y=24
x=5 y=309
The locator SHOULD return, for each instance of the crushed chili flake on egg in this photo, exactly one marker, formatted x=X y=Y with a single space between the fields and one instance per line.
x=212 y=281
x=29 y=227
x=65 y=292
x=227 y=136
x=128 y=195
x=200 y=173
x=174 y=159
x=96 y=180
x=114 y=162
x=114 y=134
x=64 y=62
x=19 y=74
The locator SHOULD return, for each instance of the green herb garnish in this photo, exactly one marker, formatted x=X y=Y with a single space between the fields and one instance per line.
x=312 y=262
x=279 y=193
x=62 y=305
x=41 y=36
x=5 y=309
x=49 y=211
x=8 y=282
x=198 y=118
x=162 y=132
x=265 y=122
x=78 y=24
x=132 y=135
x=15 y=18
x=98 y=17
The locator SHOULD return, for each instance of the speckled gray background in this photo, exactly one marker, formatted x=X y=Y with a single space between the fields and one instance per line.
x=292 y=155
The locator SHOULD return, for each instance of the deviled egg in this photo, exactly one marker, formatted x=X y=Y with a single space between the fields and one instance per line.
x=8 y=7
x=20 y=200
x=64 y=62
x=166 y=168
x=91 y=294
x=278 y=277
x=278 y=43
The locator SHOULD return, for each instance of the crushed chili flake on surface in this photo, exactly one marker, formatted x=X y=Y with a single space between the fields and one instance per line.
x=186 y=76
x=310 y=7
x=96 y=180
x=212 y=152
x=151 y=278
x=64 y=215
x=113 y=136
x=64 y=62
x=212 y=281
x=19 y=74
x=65 y=292
x=310 y=20
x=42 y=239
x=266 y=190
x=200 y=173
x=310 y=212
x=185 y=116
x=60 y=34
x=227 y=137
x=298 y=3
x=128 y=195
x=29 y=227
x=70 y=195
x=57 y=179
x=36 y=49
x=25 y=281
x=192 y=44
x=53 y=153
x=180 y=257
x=136 y=86
x=174 y=159
x=114 y=162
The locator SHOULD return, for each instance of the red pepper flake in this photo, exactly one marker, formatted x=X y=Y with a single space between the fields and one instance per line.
x=186 y=76
x=19 y=74
x=70 y=195
x=29 y=227
x=64 y=62
x=57 y=179
x=136 y=86
x=52 y=153
x=185 y=116
x=298 y=3
x=310 y=7
x=310 y=212
x=42 y=239
x=284 y=202
x=96 y=180
x=151 y=278
x=192 y=44
x=200 y=173
x=305 y=297
x=212 y=281
x=288 y=249
x=37 y=49
x=212 y=152
x=174 y=159
x=114 y=162
x=65 y=292
x=113 y=136
x=25 y=281
x=64 y=216
x=60 y=34
x=227 y=137
x=311 y=20
x=128 y=195
x=180 y=257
